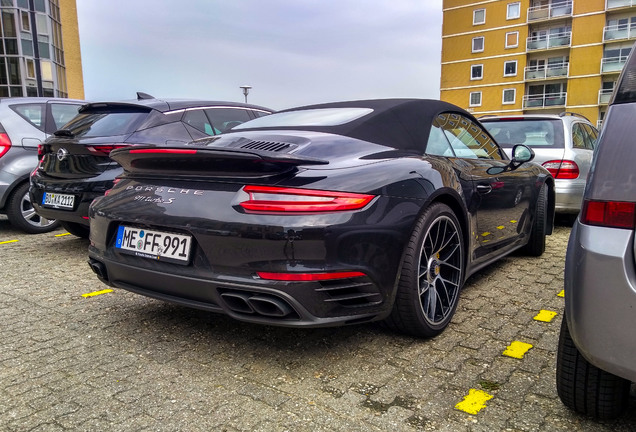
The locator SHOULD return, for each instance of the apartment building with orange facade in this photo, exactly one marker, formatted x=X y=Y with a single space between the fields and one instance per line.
x=547 y=56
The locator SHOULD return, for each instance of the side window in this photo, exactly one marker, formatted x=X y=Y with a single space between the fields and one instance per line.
x=578 y=136
x=63 y=113
x=467 y=138
x=224 y=119
x=198 y=120
x=258 y=114
x=592 y=135
x=437 y=143
x=33 y=113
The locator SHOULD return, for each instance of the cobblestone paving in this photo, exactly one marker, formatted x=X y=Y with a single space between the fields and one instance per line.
x=122 y=362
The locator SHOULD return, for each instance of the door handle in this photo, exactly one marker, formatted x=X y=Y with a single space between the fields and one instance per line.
x=484 y=188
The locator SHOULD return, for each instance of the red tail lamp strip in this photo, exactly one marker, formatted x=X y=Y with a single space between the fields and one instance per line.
x=308 y=277
x=164 y=151
x=266 y=199
x=611 y=214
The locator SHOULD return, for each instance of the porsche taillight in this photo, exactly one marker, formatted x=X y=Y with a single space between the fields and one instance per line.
x=611 y=214
x=309 y=277
x=268 y=199
x=5 y=142
x=562 y=169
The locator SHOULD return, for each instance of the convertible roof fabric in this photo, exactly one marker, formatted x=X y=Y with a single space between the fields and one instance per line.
x=398 y=123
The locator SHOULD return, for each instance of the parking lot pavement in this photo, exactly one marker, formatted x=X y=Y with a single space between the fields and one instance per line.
x=121 y=362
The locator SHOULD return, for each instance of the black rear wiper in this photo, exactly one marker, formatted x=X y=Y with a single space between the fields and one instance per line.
x=64 y=133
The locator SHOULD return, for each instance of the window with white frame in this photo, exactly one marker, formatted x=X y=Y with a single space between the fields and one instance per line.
x=476 y=72
x=478 y=44
x=510 y=68
x=512 y=39
x=508 y=96
x=514 y=10
x=479 y=16
x=475 y=99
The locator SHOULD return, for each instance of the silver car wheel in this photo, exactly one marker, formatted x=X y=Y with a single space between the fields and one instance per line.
x=29 y=214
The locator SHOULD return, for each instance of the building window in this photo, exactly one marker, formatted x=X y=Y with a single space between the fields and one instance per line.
x=478 y=44
x=25 y=21
x=509 y=96
x=514 y=10
x=479 y=16
x=510 y=68
x=475 y=99
x=512 y=39
x=476 y=72
x=30 y=68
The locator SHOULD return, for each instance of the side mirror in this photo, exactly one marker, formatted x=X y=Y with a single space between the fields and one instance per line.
x=522 y=154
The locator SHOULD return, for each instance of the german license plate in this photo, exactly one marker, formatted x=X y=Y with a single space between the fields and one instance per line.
x=56 y=200
x=157 y=245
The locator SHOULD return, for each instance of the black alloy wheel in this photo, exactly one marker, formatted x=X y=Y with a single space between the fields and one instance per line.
x=536 y=243
x=432 y=274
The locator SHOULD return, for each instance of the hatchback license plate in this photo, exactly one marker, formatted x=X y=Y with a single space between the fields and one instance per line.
x=157 y=245
x=56 y=200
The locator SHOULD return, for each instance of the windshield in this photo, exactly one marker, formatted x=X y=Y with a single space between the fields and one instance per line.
x=544 y=133
x=310 y=117
x=100 y=124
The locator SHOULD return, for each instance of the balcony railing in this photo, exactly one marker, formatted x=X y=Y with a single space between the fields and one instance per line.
x=554 y=10
x=549 y=41
x=599 y=124
x=619 y=31
x=545 y=72
x=613 y=64
x=604 y=96
x=544 y=100
x=612 y=4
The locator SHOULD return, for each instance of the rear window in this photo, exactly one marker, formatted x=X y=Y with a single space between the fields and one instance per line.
x=533 y=133
x=309 y=117
x=103 y=124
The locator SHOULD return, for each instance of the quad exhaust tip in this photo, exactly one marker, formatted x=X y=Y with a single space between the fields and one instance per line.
x=258 y=304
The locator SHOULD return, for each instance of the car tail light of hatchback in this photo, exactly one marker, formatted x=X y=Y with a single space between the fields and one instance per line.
x=267 y=199
x=105 y=149
x=611 y=214
x=5 y=142
x=562 y=169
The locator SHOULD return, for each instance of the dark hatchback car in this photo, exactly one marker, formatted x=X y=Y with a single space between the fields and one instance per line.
x=324 y=215
x=74 y=164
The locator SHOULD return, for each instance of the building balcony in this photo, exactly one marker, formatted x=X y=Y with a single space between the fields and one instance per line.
x=613 y=64
x=546 y=12
x=599 y=124
x=557 y=40
x=545 y=100
x=604 y=96
x=546 y=72
x=617 y=32
x=614 y=4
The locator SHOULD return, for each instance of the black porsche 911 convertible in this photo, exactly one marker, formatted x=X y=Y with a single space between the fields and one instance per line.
x=323 y=215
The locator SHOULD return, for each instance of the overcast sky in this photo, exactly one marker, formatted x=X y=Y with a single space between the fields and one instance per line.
x=292 y=52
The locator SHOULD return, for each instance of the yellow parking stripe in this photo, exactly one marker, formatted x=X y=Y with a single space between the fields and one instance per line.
x=62 y=235
x=485 y=234
x=8 y=241
x=513 y=221
x=501 y=227
x=545 y=316
x=561 y=293
x=474 y=402
x=96 y=293
x=517 y=349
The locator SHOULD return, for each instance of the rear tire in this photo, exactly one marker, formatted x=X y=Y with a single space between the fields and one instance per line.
x=585 y=388
x=76 y=229
x=22 y=215
x=536 y=243
x=432 y=275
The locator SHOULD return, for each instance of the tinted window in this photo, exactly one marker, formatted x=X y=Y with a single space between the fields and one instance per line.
x=467 y=139
x=531 y=132
x=198 y=120
x=106 y=123
x=258 y=114
x=33 y=113
x=310 y=117
x=592 y=135
x=437 y=143
x=63 y=113
x=224 y=119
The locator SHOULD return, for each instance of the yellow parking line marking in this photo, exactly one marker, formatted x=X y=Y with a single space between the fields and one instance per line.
x=8 y=241
x=561 y=293
x=96 y=293
x=62 y=235
x=474 y=402
x=517 y=349
x=485 y=234
x=513 y=221
x=545 y=315
x=501 y=227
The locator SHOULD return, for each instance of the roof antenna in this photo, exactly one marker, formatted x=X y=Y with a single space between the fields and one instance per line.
x=142 y=95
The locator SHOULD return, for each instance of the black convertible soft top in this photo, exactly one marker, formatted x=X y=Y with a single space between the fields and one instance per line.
x=403 y=124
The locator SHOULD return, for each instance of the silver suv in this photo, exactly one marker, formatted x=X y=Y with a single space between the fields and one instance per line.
x=596 y=358
x=563 y=144
x=25 y=123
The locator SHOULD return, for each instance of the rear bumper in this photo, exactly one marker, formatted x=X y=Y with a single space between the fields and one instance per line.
x=600 y=297
x=569 y=195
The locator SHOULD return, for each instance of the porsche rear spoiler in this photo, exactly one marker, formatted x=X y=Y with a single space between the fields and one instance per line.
x=207 y=162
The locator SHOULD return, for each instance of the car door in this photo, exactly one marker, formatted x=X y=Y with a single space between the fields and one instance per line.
x=498 y=203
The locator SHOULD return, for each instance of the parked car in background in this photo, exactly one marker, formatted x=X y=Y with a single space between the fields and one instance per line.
x=563 y=144
x=74 y=165
x=596 y=358
x=324 y=215
x=24 y=124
